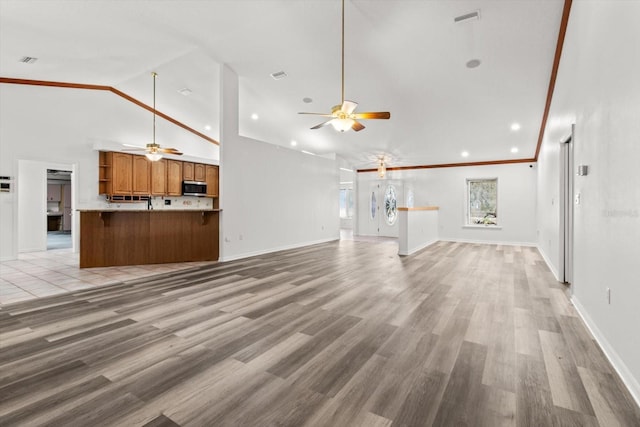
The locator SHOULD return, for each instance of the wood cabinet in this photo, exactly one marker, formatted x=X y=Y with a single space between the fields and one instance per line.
x=188 y=173
x=211 y=178
x=53 y=192
x=159 y=178
x=134 y=176
x=174 y=178
x=141 y=175
x=199 y=172
x=121 y=174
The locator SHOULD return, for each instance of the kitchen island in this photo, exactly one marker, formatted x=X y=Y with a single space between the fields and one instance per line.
x=134 y=237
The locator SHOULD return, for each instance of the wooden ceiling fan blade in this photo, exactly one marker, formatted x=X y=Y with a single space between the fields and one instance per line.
x=373 y=115
x=357 y=126
x=322 y=124
x=170 y=151
x=348 y=106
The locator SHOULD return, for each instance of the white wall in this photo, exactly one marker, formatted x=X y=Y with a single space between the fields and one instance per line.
x=272 y=198
x=60 y=125
x=598 y=88
x=446 y=188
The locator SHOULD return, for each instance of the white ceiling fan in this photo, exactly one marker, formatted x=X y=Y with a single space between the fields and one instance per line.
x=342 y=116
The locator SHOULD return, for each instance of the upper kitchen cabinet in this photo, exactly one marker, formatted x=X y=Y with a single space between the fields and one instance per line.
x=53 y=192
x=121 y=174
x=187 y=171
x=159 y=178
x=141 y=176
x=174 y=177
x=199 y=172
x=211 y=178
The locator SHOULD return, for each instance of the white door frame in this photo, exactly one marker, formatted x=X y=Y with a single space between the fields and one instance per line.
x=566 y=208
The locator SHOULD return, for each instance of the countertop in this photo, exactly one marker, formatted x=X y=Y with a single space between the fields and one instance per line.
x=420 y=208
x=54 y=213
x=149 y=210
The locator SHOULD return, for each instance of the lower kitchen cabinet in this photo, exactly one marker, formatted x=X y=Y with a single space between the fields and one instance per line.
x=110 y=238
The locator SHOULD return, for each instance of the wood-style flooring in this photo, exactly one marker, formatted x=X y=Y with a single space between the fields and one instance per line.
x=339 y=334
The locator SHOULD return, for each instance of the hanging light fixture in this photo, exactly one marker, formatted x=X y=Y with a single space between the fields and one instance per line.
x=382 y=170
x=152 y=149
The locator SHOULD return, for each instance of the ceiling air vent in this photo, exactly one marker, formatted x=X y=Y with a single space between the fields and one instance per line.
x=28 y=59
x=475 y=15
x=279 y=75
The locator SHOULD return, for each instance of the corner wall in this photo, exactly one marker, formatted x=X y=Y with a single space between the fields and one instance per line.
x=598 y=89
x=272 y=198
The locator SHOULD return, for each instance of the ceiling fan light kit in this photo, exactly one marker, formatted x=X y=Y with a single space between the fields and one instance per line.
x=342 y=117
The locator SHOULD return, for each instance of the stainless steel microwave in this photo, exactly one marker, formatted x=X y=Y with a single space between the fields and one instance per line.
x=194 y=188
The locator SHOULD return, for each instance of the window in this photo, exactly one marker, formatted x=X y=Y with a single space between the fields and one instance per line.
x=346 y=203
x=482 y=201
x=390 y=205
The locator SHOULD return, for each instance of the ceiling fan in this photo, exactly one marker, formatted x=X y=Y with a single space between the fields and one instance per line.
x=152 y=150
x=342 y=116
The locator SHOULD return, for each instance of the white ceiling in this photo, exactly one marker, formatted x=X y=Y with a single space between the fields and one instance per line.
x=403 y=56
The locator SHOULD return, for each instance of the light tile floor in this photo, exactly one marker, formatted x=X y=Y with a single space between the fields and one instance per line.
x=40 y=274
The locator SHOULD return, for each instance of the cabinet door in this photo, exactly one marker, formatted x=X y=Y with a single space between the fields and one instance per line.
x=141 y=175
x=121 y=173
x=199 y=172
x=53 y=192
x=159 y=177
x=187 y=171
x=212 y=180
x=174 y=177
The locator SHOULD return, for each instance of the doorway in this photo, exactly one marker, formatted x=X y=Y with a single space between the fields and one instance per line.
x=31 y=210
x=59 y=212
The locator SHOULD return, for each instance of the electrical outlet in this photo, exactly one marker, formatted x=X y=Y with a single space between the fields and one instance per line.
x=608 y=295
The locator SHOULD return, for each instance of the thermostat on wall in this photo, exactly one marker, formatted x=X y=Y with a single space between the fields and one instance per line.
x=5 y=184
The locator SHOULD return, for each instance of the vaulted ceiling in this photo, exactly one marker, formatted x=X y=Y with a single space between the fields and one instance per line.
x=408 y=57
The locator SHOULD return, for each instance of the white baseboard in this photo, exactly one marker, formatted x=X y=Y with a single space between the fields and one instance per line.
x=419 y=247
x=276 y=249
x=621 y=368
x=487 y=242
x=546 y=259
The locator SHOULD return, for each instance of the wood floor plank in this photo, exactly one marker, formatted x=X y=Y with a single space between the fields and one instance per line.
x=343 y=333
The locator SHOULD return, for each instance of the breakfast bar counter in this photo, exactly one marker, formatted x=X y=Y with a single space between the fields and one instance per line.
x=132 y=237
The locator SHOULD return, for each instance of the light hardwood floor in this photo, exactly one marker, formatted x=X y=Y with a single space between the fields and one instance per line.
x=338 y=334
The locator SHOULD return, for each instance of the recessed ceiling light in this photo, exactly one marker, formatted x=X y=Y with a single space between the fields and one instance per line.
x=514 y=149
x=207 y=127
x=185 y=91
x=294 y=143
x=254 y=116
x=307 y=100
x=465 y=154
x=515 y=126
x=474 y=63
x=28 y=59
